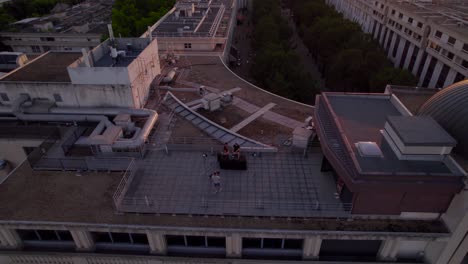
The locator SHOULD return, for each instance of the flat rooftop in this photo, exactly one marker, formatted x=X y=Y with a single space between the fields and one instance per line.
x=278 y=185
x=87 y=198
x=412 y=97
x=362 y=117
x=203 y=22
x=88 y=16
x=51 y=67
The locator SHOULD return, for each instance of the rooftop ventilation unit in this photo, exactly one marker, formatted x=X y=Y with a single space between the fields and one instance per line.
x=369 y=149
x=417 y=138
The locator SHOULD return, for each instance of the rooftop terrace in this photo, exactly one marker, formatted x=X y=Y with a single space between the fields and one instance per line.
x=281 y=185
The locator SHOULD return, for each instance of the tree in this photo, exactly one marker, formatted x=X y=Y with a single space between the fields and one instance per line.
x=131 y=18
x=390 y=75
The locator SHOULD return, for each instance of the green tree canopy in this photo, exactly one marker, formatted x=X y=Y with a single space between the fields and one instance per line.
x=131 y=18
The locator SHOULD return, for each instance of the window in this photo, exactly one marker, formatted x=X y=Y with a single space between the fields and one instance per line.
x=188 y=45
x=67 y=48
x=430 y=71
x=434 y=46
x=420 y=25
x=46 y=48
x=400 y=15
x=465 y=64
x=450 y=55
x=451 y=41
x=36 y=49
x=442 y=76
x=272 y=243
x=438 y=34
x=58 y=98
x=459 y=77
x=393 y=11
x=44 y=235
x=410 y=20
x=47 y=39
x=196 y=241
x=4 y=97
x=421 y=64
x=405 y=53
x=395 y=48
x=120 y=238
x=465 y=48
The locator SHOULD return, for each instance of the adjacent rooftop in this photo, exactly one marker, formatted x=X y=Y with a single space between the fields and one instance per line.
x=362 y=118
x=86 y=17
x=193 y=19
x=50 y=67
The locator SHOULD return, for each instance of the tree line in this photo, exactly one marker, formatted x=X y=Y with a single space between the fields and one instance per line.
x=131 y=18
x=275 y=64
x=20 y=9
x=349 y=59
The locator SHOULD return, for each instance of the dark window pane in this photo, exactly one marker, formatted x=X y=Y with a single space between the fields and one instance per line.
x=65 y=235
x=27 y=234
x=140 y=239
x=121 y=238
x=438 y=34
x=217 y=242
x=175 y=240
x=272 y=243
x=49 y=235
x=101 y=237
x=196 y=241
x=465 y=63
x=252 y=242
x=451 y=40
x=293 y=243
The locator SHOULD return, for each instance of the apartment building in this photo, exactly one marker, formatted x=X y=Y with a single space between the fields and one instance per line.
x=70 y=29
x=428 y=38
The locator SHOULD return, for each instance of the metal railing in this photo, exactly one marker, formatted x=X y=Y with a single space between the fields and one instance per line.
x=223 y=207
x=122 y=188
x=181 y=35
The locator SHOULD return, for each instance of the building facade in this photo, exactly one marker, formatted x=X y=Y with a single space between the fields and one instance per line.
x=428 y=39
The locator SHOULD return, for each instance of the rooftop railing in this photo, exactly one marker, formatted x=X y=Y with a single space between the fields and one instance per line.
x=232 y=207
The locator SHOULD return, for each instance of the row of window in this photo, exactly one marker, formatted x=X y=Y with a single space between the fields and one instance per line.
x=406 y=30
x=410 y=19
x=211 y=246
x=451 y=40
x=171 y=240
x=448 y=55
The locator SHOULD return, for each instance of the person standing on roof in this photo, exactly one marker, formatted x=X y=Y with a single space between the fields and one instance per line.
x=216 y=180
